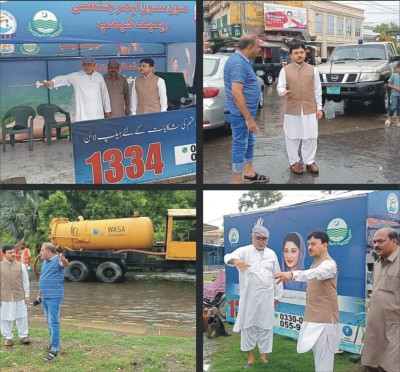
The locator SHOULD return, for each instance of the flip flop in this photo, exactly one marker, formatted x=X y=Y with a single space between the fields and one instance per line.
x=257 y=178
x=248 y=365
x=267 y=365
x=50 y=356
x=387 y=123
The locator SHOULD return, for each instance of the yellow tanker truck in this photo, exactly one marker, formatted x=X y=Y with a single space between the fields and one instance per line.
x=109 y=248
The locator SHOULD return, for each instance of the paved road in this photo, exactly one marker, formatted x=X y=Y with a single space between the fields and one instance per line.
x=354 y=147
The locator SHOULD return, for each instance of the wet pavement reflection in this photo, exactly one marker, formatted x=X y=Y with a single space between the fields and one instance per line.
x=147 y=299
x=354 y=146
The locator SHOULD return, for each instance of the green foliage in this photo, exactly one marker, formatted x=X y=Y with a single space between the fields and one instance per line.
x=19 y=215
x=258 y=199
x=32 y=215
x=101 y=351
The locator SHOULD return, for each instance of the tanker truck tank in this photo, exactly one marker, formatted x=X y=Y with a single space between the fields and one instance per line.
x=102 y=235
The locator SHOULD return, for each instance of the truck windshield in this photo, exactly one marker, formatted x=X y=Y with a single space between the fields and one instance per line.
x=358 y=52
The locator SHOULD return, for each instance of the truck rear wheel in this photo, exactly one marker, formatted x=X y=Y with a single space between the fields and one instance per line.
x=109 y=272
x=269 y=78
x=77 y=271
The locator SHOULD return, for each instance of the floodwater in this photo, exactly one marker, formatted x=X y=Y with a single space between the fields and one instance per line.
x=145 y=299
x=354 y=146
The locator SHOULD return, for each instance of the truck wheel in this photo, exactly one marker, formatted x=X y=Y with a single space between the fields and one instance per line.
x=109 y=272
x=269 y=78
x=261 y=103
x=77 y=271
x=381 y=103
x=222 y=309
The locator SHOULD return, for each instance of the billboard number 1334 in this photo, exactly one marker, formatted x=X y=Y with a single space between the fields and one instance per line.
x=117 y=170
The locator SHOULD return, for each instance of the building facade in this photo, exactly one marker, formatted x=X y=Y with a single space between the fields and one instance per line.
x=328 y=23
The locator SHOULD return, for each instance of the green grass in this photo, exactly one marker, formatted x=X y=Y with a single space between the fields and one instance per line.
x=83 y=351
x=225 y=356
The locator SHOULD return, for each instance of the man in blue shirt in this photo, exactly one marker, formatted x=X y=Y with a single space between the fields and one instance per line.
x=51 y=293
x=243 y=96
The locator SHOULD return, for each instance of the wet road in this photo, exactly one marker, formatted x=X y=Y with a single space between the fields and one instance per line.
x=354 y=147
x=148 y=299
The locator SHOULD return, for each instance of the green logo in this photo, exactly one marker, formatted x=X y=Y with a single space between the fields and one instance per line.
x=338 y=232
x=184 y=150
x=29 y=48
x=45 y=24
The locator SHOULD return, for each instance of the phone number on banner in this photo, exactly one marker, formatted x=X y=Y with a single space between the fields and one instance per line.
x=139 y=161
x=289 y=321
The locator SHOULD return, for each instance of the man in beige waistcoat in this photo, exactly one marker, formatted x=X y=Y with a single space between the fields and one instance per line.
x=320 y=329
x=149 y=92
x=300 y=84
x=382 y=335
x=14 y=297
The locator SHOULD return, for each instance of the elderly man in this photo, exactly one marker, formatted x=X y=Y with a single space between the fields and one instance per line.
x=320 y=329
x=14 y=297
x=149 y=92
x=51 y=293
x=300 y=84
x=118 y=89
x=92 y=100
x=382 y=338
x=259 y=295
x=242 y=100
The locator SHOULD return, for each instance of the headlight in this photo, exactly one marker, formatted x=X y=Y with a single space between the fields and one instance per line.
x=369 y=76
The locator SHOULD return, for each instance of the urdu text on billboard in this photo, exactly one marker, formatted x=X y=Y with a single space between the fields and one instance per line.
x=281 y=16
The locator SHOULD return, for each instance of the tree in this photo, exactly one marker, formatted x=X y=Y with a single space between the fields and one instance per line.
x=259 y=199
x=19 y=214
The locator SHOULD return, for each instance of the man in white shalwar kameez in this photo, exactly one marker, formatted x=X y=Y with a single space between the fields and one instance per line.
x=320 y=328
x=14 y=297
x=259 y=294
x=300 y=84
x=92 y=100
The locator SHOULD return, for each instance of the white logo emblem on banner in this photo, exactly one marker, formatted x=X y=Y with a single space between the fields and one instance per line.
x=338 y=232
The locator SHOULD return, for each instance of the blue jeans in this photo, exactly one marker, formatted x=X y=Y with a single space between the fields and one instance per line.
x=243 y=143
x=52 y=307
x=394 y=105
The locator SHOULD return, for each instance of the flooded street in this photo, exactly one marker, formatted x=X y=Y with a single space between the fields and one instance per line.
x=146 y=299
x=354 y=146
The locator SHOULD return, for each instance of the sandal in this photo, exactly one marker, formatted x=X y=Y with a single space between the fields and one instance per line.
x=257 y=178
x=387 y=123
x=50 y=356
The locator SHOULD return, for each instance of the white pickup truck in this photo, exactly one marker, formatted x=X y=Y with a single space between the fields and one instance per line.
x=358 y=72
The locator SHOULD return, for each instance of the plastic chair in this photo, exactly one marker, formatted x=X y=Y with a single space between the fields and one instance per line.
x=23 y=117
x=48 y=111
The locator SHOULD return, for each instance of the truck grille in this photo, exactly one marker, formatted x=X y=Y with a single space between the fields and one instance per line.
x=351 y=78
x=339 y=78
x=334 y=78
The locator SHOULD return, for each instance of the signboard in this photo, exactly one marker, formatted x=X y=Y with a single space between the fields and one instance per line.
x=135 y=149
x=345 y=221
x=281 y=16
x=97 y=21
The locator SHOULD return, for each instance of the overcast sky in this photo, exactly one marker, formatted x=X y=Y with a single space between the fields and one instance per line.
x=220 y=203
x=377 y=12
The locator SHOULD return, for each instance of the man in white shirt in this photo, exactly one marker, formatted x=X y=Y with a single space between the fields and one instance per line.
x=300 y=84
x=92 y=100
x=14 y=297
x=320 y=329
x=149 y=92
x=259 y=294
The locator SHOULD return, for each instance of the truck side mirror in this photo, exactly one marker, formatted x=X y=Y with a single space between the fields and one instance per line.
x=394 y=58
x=324 y=60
